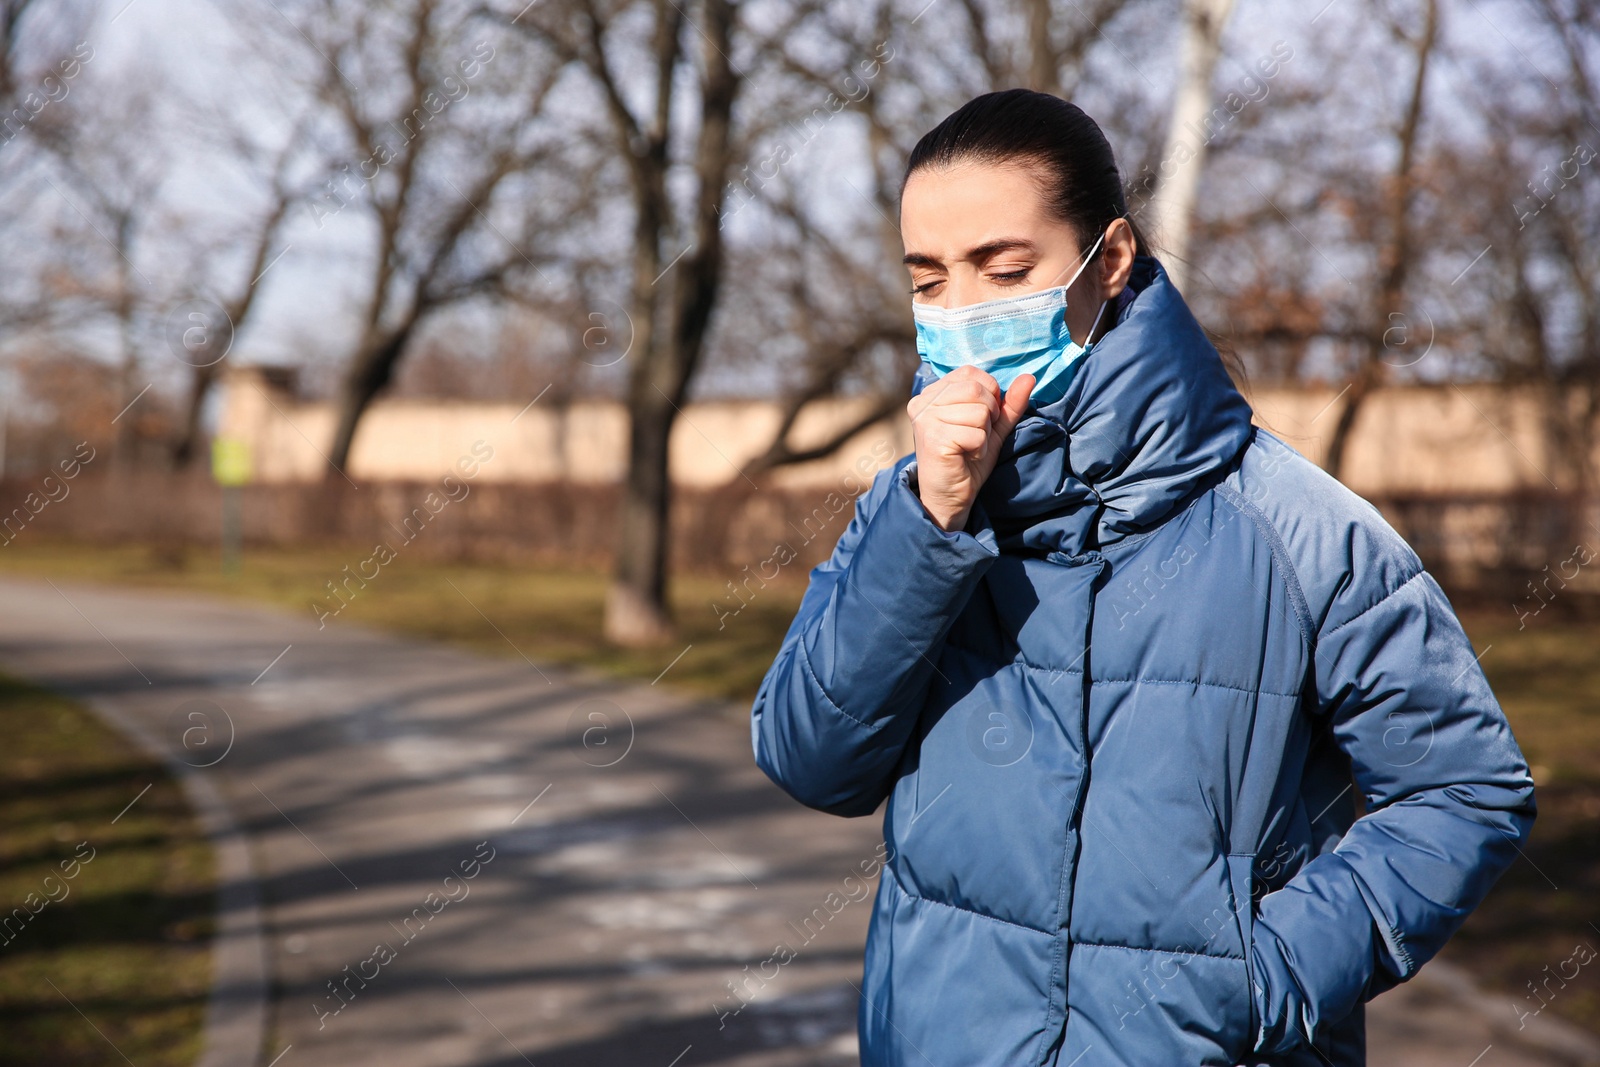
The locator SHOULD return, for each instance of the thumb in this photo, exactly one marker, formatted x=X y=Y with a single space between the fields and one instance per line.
x=1014 y=403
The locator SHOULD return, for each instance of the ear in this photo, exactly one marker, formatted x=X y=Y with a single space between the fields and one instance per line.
x=1116 y=259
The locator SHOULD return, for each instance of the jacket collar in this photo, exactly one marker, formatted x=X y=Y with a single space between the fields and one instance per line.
x=1150 y=419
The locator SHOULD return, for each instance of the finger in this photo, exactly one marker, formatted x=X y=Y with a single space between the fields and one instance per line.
x=971 y=373
x=941 y=392
x=988 y=382
x=1015 y=404
x=970 y=392
x=966 y=371
x=963 y=440
x=982 y=416
x=931 y=394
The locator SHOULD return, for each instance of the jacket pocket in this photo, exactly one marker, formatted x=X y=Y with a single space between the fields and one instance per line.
x=1241 y=880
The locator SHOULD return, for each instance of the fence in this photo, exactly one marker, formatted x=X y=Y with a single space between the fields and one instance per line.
x=1479 y=544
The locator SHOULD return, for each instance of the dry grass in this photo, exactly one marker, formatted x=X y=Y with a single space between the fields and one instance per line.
x=112 y=963
x=1547 y=677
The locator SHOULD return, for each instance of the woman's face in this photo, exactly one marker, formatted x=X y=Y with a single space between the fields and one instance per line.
x=981 y=231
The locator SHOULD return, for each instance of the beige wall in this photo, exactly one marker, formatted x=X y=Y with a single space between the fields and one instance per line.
x=1421 y=439
x=1471 y=438
x=583 y=442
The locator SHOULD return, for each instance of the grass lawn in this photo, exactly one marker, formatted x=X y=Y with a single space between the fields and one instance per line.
x=1547 y=676
x=106 y=955
x=1548 y=904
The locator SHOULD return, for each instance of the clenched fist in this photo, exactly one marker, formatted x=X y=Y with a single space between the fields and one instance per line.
x=958 y=424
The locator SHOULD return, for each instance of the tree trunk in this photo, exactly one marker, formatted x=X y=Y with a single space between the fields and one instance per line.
x=369 y=375
x=672 y=312
x=636 y=606
x=188 y=441
x=1355 y=396
x=1043 y=72
x=1572 y=436
x=125 y=443
x=1203 y=22
x=636 y=611
x=235 y=312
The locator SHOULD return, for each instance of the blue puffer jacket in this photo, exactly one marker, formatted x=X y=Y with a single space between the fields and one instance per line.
x=1118 y=719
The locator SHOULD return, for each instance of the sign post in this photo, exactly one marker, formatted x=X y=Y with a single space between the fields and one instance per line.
x=230 y=466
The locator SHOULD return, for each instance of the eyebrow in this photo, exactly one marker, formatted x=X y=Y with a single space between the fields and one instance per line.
x=981 y=252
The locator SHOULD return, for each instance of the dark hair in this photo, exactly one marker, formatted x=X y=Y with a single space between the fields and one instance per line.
x=1081 y=185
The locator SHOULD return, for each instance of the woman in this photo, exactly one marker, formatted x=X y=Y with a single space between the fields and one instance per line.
x=1116 y=658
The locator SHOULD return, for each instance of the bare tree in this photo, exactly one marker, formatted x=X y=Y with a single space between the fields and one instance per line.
x=837 y=289
x=256 y=236
x=676 y=250
x=426 y=135
x=130 y=261
x=109 y=185
x=1529 y=211
x=41 y=50
x=1048 y=54
x=42 y=56
x=1397 y=247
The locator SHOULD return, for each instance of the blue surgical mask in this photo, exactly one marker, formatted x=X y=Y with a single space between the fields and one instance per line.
x=1009 y=337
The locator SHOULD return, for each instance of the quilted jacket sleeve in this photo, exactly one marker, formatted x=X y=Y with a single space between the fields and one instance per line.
x=1448 y=794
x=836 y=706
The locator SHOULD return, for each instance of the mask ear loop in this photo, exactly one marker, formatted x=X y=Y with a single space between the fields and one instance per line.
x=1092 y=250
x=1098 y=315
x=1081 y=268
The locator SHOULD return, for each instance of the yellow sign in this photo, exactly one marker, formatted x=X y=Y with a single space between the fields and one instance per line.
x=230 y=461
